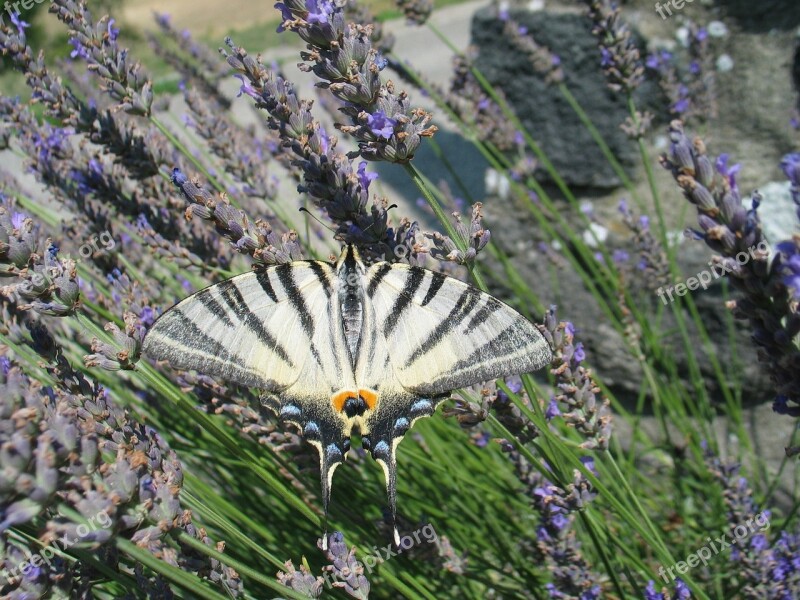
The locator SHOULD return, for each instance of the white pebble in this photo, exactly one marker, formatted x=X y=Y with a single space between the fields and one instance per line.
x=594 y=235
x=682 y=35
x=717 y=29
x=724 y=63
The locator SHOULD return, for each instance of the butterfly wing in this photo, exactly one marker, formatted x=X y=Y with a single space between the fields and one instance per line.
x=270 y=330
x=432 y=334
x=444 y=334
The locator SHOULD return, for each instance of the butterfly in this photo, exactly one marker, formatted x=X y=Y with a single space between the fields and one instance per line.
x=343 y=347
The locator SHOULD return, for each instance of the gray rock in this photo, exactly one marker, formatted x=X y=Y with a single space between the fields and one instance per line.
x=543 y=109
x=764 y=15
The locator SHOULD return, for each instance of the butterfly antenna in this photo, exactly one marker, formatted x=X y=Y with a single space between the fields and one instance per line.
x=303 y=209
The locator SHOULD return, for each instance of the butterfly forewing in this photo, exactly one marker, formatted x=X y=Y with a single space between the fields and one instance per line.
x=245 y=329
x=443 y=334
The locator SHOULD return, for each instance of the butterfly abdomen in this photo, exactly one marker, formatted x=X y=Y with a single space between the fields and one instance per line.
x=351 y=300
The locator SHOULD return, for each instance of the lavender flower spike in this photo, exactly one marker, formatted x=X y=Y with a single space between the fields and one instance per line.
x=768 y=287
x=96 y=43
x=342 y=56
x=475 y=239
x=620 y=58
x=587 y=411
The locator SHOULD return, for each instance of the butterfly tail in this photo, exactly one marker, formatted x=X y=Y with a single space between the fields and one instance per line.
x=330 y=457
x=384 y=453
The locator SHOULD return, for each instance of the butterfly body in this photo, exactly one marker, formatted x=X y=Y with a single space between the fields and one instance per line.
x=344 y=348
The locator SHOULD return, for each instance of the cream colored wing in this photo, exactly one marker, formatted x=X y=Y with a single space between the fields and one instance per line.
x=246 y=329
x=443 y=334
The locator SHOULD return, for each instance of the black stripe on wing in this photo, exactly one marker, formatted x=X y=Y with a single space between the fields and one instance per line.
x=233 y=298
x=286 y=277
x=483 y=314
x=263 y=280
x=414 y=280
x=494 y=350
x=380 y=273
x=180 y=341
x=465 y=304
x=437 y=281
x=205 y=297
x=322 y=275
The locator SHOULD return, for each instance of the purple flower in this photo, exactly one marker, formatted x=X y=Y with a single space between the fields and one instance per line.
x=319 y=10
x=18 y=219
x=113 y=32
x=381 y=125
x=178 y=178
x=286 y=15
x=652 y=62
x=781 y=406
x=380 y=61
x=246 y=87
x=552 y=410
x=579 y=355
x=790 y=266
x=79 y=49
x=147 y=316
x=681 y=106
x=606 y=58
x=514 y=384
x=324 y=140
x=363 y=177
x=791 y=168
x=728 y=172
x=620 y=256
x=560 y=521
x=19 y=23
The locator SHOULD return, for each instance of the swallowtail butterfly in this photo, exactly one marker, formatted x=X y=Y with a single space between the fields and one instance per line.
x=343 y=347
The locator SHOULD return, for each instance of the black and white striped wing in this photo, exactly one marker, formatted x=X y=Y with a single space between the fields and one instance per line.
x=249 y=329
x=443 y=334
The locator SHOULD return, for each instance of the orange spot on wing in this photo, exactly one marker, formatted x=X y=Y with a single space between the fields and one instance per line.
x=340 y=397
x=370 y=397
